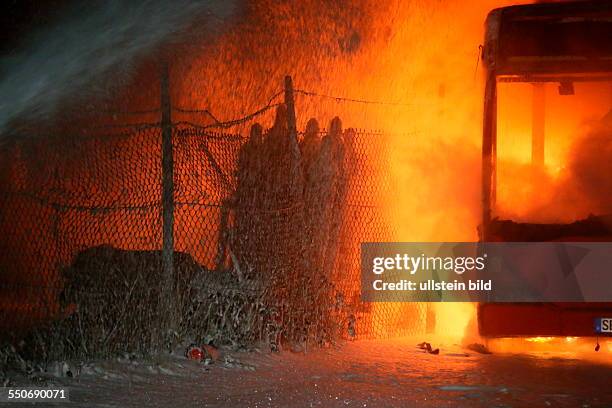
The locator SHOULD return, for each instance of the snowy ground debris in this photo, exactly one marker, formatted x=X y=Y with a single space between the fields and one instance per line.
x=357 y=374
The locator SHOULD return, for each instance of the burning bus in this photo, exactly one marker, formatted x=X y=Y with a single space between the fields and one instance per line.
x=547 y=146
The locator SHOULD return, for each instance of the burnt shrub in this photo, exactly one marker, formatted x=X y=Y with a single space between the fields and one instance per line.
x=112 y=299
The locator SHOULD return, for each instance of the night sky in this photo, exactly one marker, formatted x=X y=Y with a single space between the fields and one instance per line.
x=20 y=17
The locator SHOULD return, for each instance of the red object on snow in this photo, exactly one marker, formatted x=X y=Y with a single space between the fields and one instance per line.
x=195 y=353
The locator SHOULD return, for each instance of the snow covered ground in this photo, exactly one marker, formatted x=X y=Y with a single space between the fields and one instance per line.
x=379 y=373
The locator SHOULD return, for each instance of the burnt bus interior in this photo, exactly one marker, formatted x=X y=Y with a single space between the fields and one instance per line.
x=546 y=63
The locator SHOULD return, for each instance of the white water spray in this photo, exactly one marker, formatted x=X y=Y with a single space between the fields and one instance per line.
x=92 y=43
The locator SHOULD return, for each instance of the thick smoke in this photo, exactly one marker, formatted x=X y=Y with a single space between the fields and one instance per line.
x=582 y=186
x=79 y=54
x=591 y=165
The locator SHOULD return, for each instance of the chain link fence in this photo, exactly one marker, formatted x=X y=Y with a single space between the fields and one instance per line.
x=267 y=231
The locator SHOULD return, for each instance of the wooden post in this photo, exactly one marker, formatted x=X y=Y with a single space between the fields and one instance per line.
x=290 y=103
x=291 y=125
x=167 y=163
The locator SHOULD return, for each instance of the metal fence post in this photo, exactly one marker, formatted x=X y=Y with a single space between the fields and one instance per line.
x=167 y=303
